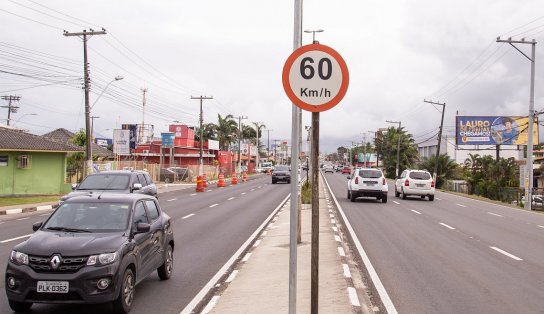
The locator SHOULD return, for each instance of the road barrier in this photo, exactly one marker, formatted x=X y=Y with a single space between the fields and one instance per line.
x=234 y=179
x=221 y=181
x=199 y=184
x=244 y=176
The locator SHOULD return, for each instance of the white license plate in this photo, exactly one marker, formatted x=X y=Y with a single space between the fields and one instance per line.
x=53 y=286
x=420 y=185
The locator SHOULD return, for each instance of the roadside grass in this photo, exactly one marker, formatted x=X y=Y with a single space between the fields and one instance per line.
x=9 y=201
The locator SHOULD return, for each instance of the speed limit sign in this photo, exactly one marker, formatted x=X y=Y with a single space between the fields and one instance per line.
x=315 y=77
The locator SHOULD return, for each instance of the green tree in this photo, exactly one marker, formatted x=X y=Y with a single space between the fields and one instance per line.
x=227 y=130
x=386 y=147
x=446 y=168
x=208 y=132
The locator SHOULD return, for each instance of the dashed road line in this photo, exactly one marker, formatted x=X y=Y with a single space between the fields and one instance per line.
x=264 y=233
x=337 y=238
x=347 y=273
x=232 y=276
x=213 y=205
x=171 y=200
x=25 y=218
x=17 y=238
x=333 y=221
x=211 y=304
x=461 y=205
x=341 y=251
x=193 y=194
x=540 y=226
x=243 y=193
x=353 y=297
x=185 y=217
x=335 y=229
x=447 y=226
x=495 y=214
x=438 y=198
x=415 y=211
x=506 y=253
x=246 y=257
x=251 y=190
x=230 y=198
x=257 y=243
x=396 y=202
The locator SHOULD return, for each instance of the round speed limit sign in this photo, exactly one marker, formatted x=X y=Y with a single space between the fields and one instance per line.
x=315 y=77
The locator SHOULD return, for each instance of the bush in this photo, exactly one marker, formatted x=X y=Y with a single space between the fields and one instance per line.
x=306 y=193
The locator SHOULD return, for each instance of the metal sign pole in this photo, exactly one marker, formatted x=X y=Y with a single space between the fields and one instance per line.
x=315 y=214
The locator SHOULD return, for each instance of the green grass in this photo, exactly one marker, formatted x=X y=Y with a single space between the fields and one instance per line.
x=8 y=201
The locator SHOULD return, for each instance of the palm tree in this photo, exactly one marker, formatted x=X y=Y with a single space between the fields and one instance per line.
x=227 y=130
x=446 y=168
x=208 y=132
x=386 y=147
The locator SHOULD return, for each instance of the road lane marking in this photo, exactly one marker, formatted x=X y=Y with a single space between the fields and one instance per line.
x=447 y=226
x=208 y=190
x=331 y=215
x=495 y=214
x=243 y=193
x=396 y=202
x=415 y=211
x=341 y=251
x=438 y=198
x=347 y=273
x=246 y=258
x=335 y=229
x=185 y=217
x=230 y=198
x=171 y=200
x=257 y=243
x=540 y=226
x=506 y=253
x=264 y=233
x=232 y=276
x=333 y=221
x=213 y=205
x=25 y=218
x=251 y=190
x=460 y=205
x=353 y=297
x=43 y=215
x=337 y=238
x=193 y=194
x=17 y=238
x=211 y=304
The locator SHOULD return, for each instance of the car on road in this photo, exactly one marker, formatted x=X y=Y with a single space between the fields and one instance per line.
x=114 y=181
x=92 y=249
x=346 y=169
x=167 y=175
x=367 y=182
x=415 y=182
x=328 y=168
x=281 y=173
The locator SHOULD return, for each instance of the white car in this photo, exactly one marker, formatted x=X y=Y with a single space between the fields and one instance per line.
x=368 y=182
x=415 y=182
x=328 y=168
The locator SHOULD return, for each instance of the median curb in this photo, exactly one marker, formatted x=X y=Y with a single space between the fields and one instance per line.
x=27 y=208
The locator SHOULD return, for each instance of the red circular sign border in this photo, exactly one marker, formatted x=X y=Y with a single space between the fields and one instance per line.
x=287 y=87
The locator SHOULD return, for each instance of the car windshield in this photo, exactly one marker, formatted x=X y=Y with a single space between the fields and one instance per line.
x=420 y=175
x=370 y=173
x=281 y=168
x=90 y=217
x=104 y=182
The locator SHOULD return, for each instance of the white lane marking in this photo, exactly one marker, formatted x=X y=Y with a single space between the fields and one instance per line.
x=244 y=193
x=384 y=296
x=331 y=215
x=337 y=238
x=185 y=217
x=347 y=273
x=415 y=211
x=396 y=202
x=260 y=186
x=251 y=190
x=540 y=226
x=1 y=222
x=495 y=214
x=43 y=215
x=333 y=221
x=17 y=238
x=506 y=253
x=213 y=205
x=353 y=297
x=447 y=226
x=211 y=304
x=341 y=251
x=438 y=198
x=264 y=233
x=209 y=191
x=461 y=205
x=257 y=243
x=230 y=198
x=335 y=229
x=171 y=200
x=232 y=276
x=193 y=194
x=246 y=258
x=25 y=218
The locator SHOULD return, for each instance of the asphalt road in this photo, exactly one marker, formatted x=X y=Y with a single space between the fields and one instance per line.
x=209 y=228
x=453 y=255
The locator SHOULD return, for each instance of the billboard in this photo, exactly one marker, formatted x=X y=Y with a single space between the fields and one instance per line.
x=494 y=130
x=121 y=142
x=167 y=139
x=103 y=141
x=133 y=133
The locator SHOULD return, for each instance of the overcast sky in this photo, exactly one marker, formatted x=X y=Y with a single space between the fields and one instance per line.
x=398 y=53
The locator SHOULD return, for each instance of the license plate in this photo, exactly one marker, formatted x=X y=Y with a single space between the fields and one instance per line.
x=53 y=286
x=420 y=185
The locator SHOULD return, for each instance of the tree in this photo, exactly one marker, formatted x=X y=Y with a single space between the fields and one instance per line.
x=446 y=168
x=386 y=146
x=227 y=130
x=208 y=132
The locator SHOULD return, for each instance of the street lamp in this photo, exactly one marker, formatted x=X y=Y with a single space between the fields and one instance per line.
x=398 y=146
x=313 y=34
x=26 y=114
x=115 y=79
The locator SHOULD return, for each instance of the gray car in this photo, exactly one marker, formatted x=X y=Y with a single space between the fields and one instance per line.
x=115 y=181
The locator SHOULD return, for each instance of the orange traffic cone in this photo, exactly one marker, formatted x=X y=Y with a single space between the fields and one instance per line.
x=199 y=184
x=244 y=176
x=234 y=179
x=221 y=181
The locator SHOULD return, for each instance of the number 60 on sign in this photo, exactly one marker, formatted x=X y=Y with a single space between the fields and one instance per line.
x=315 y=77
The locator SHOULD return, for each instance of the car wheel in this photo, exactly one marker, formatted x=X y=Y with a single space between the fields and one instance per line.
x=403 y=194
x=396 y=193
x=165 y=271
x=288 y=181
x=353 y=197
x=273 y=182
x=422 y=196
x=19 y=306
x=166 y=180
x=431 y=198
x=123 y=303
x=349 y=195
x=384 y=199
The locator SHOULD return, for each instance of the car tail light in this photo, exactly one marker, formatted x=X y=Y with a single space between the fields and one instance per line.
x=356 y=180
x=406 y=183
x=383 y=181
x=432 y=184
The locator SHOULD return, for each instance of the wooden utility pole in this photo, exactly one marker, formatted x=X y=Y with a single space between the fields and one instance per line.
x=11 y=108
x=201 y=121
x=435 y=174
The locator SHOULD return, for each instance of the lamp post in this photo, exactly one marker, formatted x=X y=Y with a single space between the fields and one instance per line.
x=26 y=114
x=398 y=146
x=313 y=34
x=115 y=79
x=258 y=126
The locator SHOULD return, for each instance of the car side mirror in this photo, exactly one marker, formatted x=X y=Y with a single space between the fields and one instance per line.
x=74 y=186
x=37 y=225
x=136 y=186
x=142 y=227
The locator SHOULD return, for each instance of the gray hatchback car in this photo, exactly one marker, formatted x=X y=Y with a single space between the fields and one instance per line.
x=115 y=181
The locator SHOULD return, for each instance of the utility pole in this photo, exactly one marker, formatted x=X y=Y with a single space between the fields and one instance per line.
x=92 y=124
x=11 y=108
x=239 y=170
x=398 y=147
x=201 y=120
x=275 y=150
x=268 y=149
x=529 y=176
x=144 y=99
x=83 y=35
x=435 y=173
x=257 y=127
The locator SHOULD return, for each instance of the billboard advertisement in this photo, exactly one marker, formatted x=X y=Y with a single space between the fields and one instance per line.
x=494 y=130
x=133 y=133
x=104 y=142
x=167 y=139
x=121 y=142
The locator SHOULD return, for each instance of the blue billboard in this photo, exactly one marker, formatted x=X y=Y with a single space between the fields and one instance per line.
x=168 y=139
x=494 y=130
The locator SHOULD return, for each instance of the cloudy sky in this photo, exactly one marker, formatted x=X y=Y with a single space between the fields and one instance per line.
x=398 y=54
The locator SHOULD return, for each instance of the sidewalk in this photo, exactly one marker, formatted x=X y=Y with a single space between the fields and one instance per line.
x=260 y=283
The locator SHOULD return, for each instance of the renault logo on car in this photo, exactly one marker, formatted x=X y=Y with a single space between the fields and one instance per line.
x=55 y=262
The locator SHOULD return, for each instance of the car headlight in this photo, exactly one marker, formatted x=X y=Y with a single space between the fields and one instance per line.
x=18 y=258
x=102 y=259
